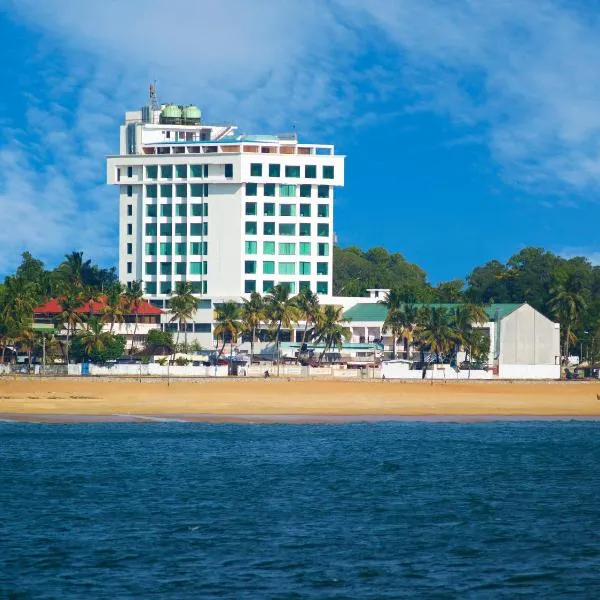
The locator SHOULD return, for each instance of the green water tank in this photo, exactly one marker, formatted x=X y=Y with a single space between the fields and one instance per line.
x=191 y=114
x=171 y=113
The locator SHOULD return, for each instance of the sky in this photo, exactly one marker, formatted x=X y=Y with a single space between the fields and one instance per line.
x=471 y=127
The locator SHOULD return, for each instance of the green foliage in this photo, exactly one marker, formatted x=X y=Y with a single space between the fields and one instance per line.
x=111 y=348
x=156 y=337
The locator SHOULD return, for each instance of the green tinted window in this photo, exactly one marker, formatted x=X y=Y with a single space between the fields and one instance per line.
x=150 y=210
x=269 y=189
x=150 y=268
x=328 y=172
x=269 y=267
x=165 y=268
x=305 y=191
x=165 y=248
x=181 y=210
x=305 y=248
x=165 y=287
x=152 y=172
x=249 y=286
x=305 y=210
x=322 y=287
x=180 y=229
x=323 y=229
x=195 y=170
x=251 y=189
x=151 y=191
x=269 y=209
x=291 y=171
x=256 y=170
x=181 y=171
x=322 y=210
x=268 y=286
x=268 y=247
x=287 y=229
x=150 y=228
x=304 y=268
x=250 y=247
x=268 y=228
x=250 y=267
x=304 y=229
x=166 y=210
x=287 y=249
x=151 y=288
x=287 y=268
x=198 y=268
x=151 y=248
x=310 y=171
x=287 y=190
x=251 y=228
x=181 y=190
x=251 y=208
x=323 y=249
x=166 y=171
x=166 y=190
x=323 y=191
x=274 y=170
x=287 y=210
x=166 y=229
x=322 y=268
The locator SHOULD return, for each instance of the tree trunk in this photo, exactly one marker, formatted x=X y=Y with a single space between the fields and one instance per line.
x=323 y=354
x=229 y=369
x=394 y=346
x=568 y=332
x=67 y=346
x=252 y=345
x=134 y=332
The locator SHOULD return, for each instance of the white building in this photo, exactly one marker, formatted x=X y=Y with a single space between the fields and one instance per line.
x=229 y=213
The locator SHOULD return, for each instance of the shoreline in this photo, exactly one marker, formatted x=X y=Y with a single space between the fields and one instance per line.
x=289 y=400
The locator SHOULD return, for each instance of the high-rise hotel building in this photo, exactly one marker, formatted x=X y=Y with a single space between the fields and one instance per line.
x=229 y=213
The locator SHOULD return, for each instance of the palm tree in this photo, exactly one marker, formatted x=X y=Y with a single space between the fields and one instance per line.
x=134 y=295
x=70 y=316
x=436 y=331
x=464 y=319
x=183 y=306
x=252 y=313
x=401 y=323
x=393 y=301
x=566 y=305
x=329 y=329
x=114 y=307
x=307 y=303
x=74 y=271
x=94 y=338
x=281 y=311
x=227 y=325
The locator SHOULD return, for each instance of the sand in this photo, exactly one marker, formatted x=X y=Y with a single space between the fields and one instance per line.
x=259 y=399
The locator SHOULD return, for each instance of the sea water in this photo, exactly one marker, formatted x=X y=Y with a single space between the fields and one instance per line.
x=389 y=510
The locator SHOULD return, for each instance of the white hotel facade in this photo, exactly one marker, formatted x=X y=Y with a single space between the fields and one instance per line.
x=229 y=213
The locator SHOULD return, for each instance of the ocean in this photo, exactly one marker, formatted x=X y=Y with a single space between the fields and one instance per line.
x=352 y=511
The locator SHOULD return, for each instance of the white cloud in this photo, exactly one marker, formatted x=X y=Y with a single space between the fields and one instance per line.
x=576 y=251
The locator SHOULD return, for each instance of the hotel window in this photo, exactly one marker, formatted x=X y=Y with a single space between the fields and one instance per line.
x=323 y=249
x=165 y=248
x=151 y=191
x=129 y=171
x=305 y=248
x=129 y=229
x=129 y=191
x=199 y=228
x=269 y=209
x=290 y=285
x=166 y=229
x=166 y=190
x=180 y=268
x=304 y=285
x=305 y=210
x=287 y=268
x=328 y=172
x=199 y=210
x=228 y=170
x=268 y=286
x=197 y=248
x=322 y=268
x=129 y=248
x=304 y=268
x=304 y=229
x=287 y=190
x=181 y=190
x=181 y=210
x=202 y=327
x=305 y=191
x=323 y=229
x=269 y=189
x=250 y=267
x=165 y=287
x=250 y=247
x=310 y=171
x=151 y=249
x=323 y=191
x=256 y=170
x=268 y=247
x=251 y=228
x=287 y=249
x=152 y=172
x=268 y=267
x=199 y=287
x=268 y=228
x=180 y=229
x=166 y=210
x=129 y=267
x=322 y=287
x=287 y=210
x=151 y=287
x=251 y=208
x=195 y=170
x=287 y=229
x=322 y=210
x=198 y=268
x=196 y=190
x=291 y=171
x=166 y=171
x=129 y=210
x=150 y=228
x=274 y=170
x=150 y=268
x=181 y=171
x=251 y=189
x=180 y=248
x=165 y=268
x=249 y=286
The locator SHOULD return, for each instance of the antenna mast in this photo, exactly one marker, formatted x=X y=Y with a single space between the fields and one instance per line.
x=153 y=100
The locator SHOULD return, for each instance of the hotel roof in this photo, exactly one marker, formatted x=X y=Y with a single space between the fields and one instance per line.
x=52 y=306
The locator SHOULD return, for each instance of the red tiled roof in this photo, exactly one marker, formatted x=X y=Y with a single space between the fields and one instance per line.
x=52 y=306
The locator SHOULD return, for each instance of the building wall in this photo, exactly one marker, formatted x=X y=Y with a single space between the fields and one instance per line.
x=528 y=338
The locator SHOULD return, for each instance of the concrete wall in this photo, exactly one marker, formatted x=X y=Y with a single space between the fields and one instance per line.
x=529 y=371
x=528 y=338
x=395 y=370
x=151 y=370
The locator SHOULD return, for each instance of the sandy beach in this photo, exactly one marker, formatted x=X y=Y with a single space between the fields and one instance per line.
x=226 y=399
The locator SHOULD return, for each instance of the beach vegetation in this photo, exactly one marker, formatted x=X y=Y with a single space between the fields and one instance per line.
x=330 y=329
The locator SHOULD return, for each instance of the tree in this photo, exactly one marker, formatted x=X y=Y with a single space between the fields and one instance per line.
x=182 y=305
x=114 y=307
x=74 y=272
x=227 y=325
x=94 y=339
x=111 y=347
x=307 y=303
x=252 y=313
x=566 y=305
x=400 y=319
x=281 y=311
x=69 y=316
x=329 y=329
x=465 y=318
x=436 y=331
x=134 y=296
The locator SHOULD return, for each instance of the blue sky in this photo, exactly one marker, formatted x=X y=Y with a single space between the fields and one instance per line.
x=471 y=127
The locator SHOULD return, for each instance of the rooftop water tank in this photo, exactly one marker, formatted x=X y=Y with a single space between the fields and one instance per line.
x=170 y=114
x=191 y=115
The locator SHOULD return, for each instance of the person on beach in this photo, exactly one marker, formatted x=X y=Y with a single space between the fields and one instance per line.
x=267 y=375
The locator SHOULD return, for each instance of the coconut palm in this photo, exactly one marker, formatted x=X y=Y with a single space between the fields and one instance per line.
x=114 y=308
x=401 y=323
x=74 y=272
x=566 y=305
x=227 y=325
x=69 y=316
x=182 y=305
x=307 y=303
x=464 y=319
x=281 y=311
x=436 y=331
x=329 y=329
x=134 y=295
x=251 y=314
x=93 y=338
